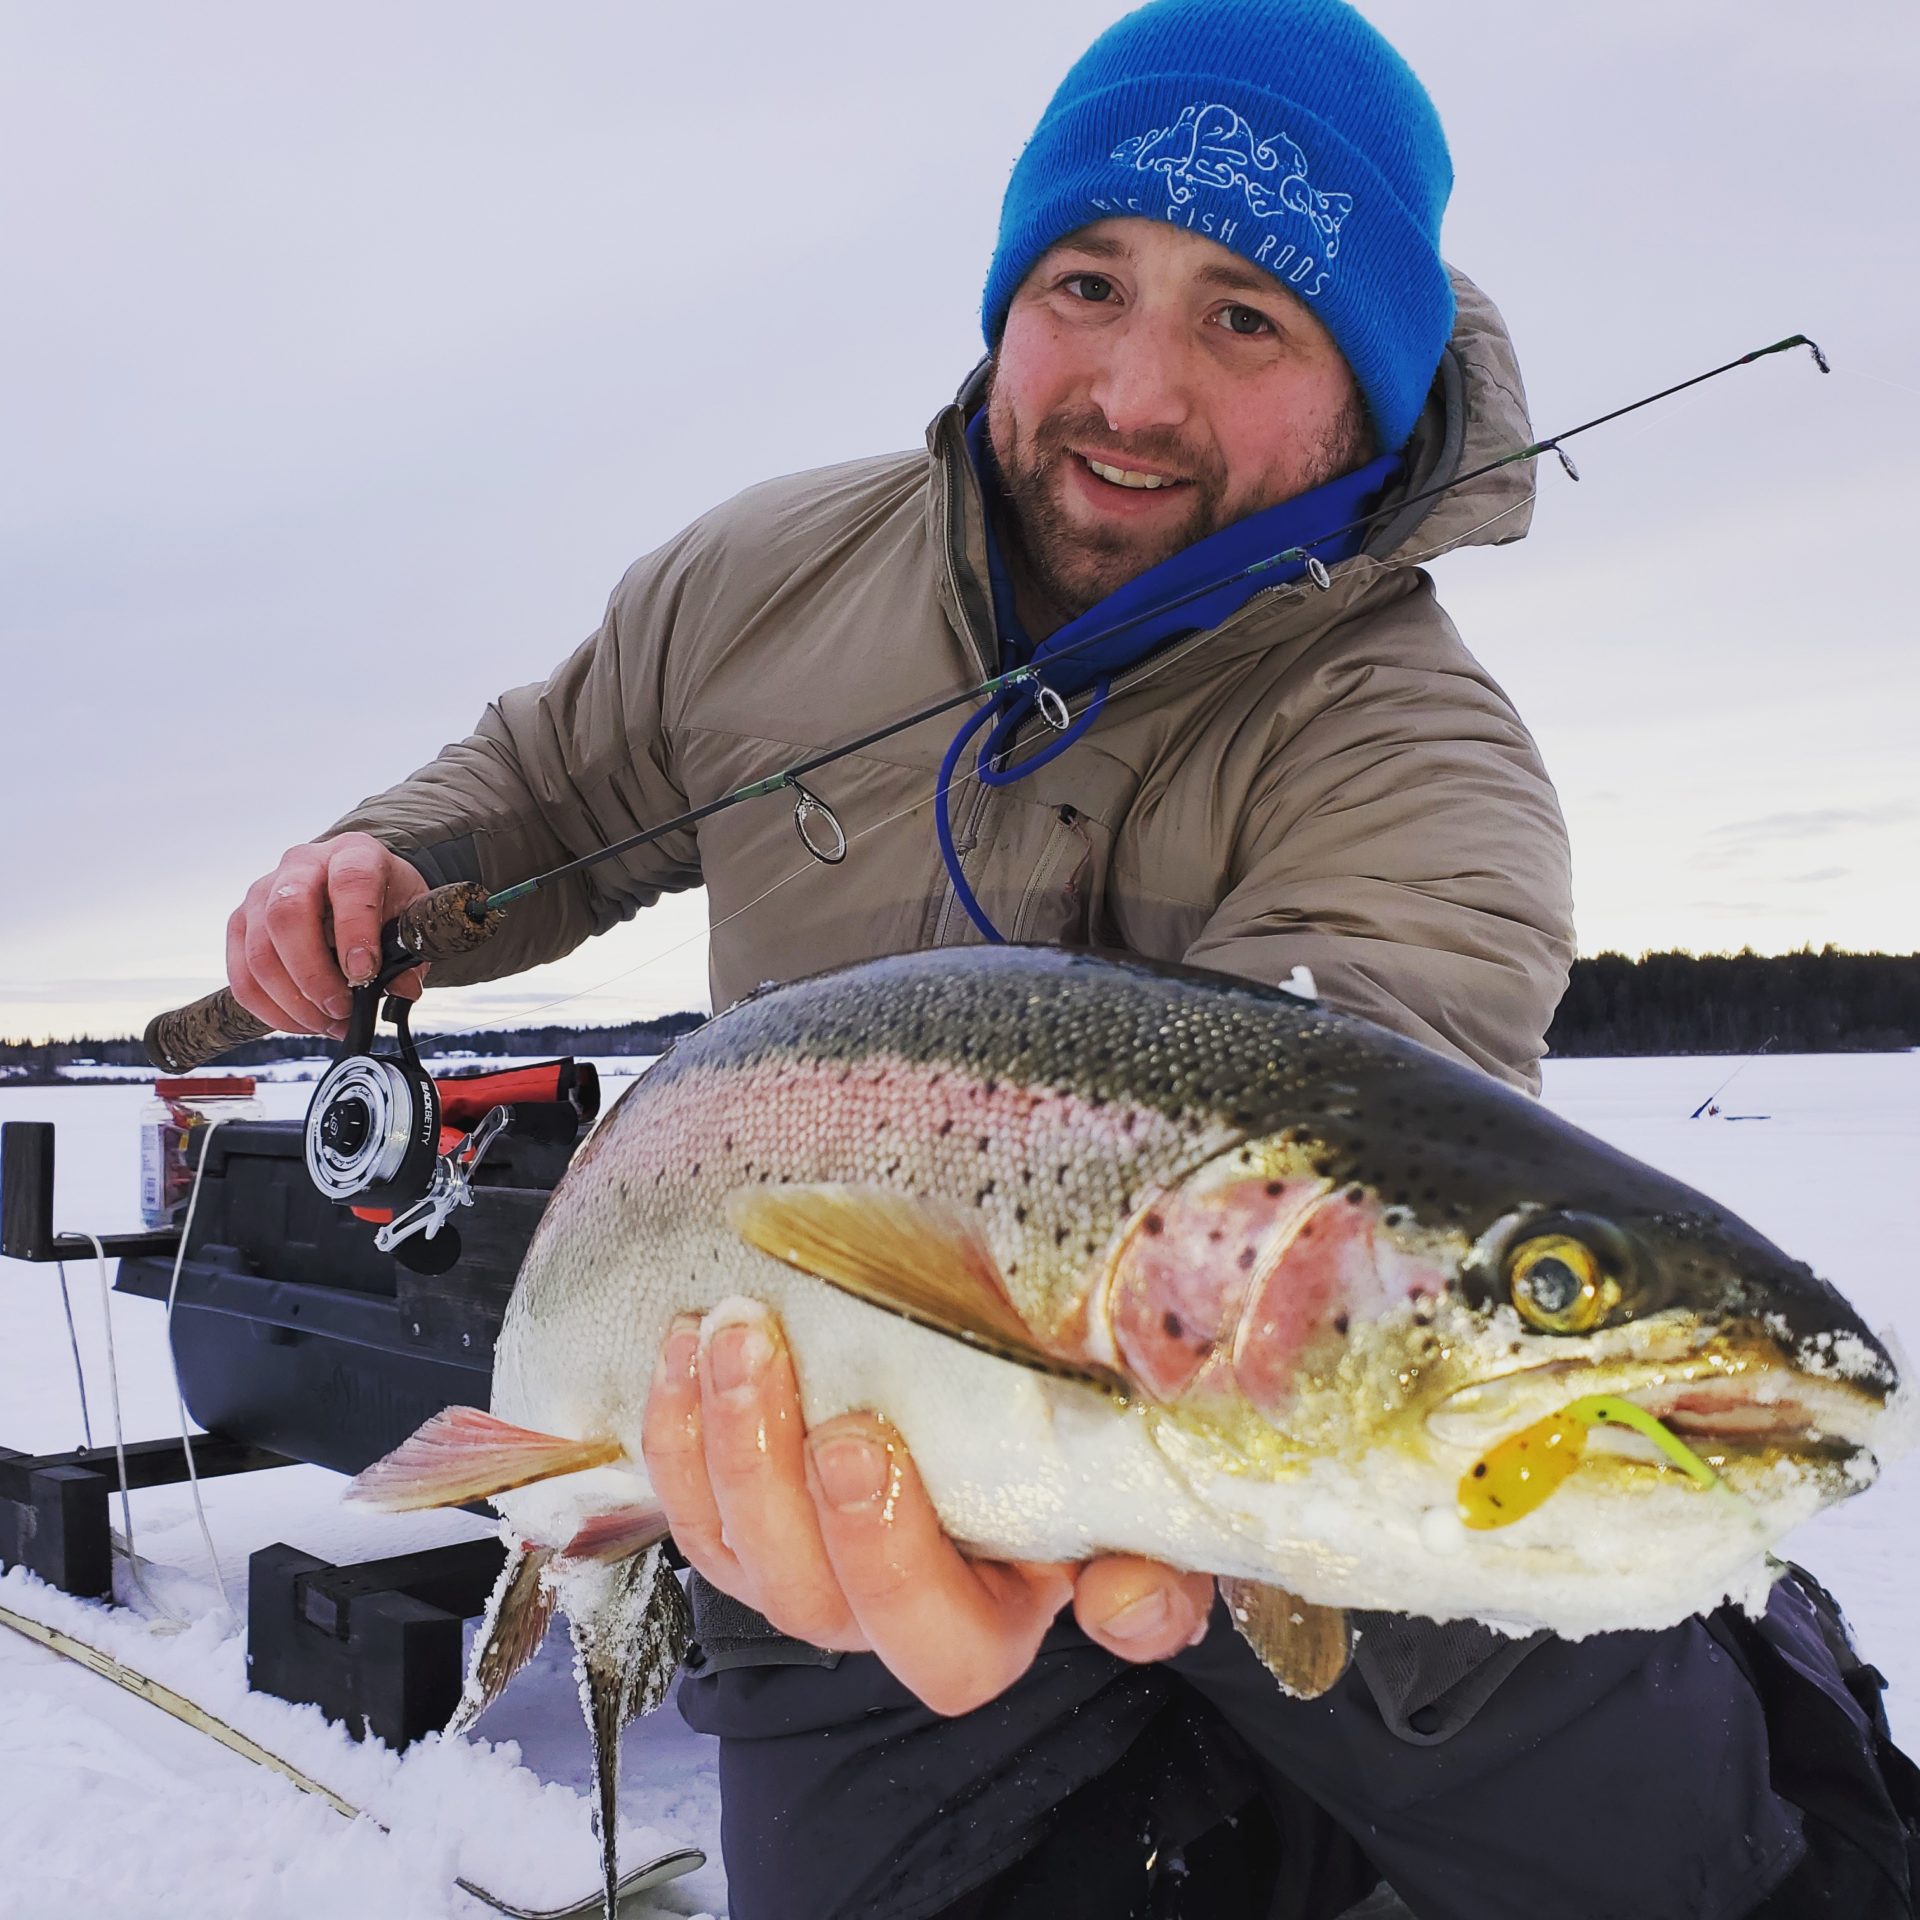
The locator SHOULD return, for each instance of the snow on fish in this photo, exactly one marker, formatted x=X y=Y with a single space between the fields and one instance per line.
x=1149 y=1260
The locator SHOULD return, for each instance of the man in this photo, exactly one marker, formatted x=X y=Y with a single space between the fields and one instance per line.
x=1221 y=329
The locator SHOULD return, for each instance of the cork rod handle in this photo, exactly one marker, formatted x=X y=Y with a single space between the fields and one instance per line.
x=439 y=926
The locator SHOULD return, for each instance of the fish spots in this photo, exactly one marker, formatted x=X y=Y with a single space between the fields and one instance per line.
x=981 y=1198
x=1304 y=1295
x=1341 y=1322
x=1020 y=1216
x=985 y=1142
x=1183 y=1272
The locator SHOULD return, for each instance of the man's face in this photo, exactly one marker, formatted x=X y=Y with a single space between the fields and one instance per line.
x=1158 y=355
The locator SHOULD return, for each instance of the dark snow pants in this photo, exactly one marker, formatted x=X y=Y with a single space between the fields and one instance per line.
x=1722 y=1770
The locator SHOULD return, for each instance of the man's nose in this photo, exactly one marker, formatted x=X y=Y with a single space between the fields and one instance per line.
x=1142 y=380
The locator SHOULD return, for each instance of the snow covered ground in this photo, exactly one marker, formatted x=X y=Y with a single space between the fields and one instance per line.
x=108 y=1806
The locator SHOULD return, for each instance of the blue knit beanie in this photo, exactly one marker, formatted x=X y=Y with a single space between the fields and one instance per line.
x=1288 y=130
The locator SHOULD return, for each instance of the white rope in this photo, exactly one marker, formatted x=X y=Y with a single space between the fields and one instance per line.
x=171 y=1621
x=176 y=1621
x=79 y=1372
x=213 y=1125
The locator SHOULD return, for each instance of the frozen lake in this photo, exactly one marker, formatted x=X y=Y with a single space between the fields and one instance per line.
x=112 y=1807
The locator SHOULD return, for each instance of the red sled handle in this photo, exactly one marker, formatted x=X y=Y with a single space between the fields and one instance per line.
x=464 y=1103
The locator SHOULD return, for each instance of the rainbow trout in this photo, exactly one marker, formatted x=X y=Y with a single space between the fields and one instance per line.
x=1157 y=1261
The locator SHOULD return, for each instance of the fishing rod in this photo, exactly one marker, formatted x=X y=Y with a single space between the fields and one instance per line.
x=993 y=684
x=455 y=919
x=1706 y=1105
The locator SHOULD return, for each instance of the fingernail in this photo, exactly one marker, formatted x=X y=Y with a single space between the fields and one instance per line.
x=338 y=1030
x=738 y=1354
x=680 y=1350
x=852 y=1471
x=1200 y=1632
x=360 y=967
x=1140 y=1619
x=338 y=1005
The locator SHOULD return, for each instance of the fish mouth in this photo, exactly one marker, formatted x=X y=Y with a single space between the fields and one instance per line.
x=1727 y=1407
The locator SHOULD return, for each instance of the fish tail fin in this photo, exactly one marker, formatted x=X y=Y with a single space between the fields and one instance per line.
x=518 y=1612
x=630 y=1624
x=462 y=1455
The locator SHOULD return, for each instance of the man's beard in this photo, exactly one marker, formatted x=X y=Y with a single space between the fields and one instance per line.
x=1074 y=568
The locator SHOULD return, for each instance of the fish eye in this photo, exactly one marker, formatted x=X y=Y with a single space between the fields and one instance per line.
x=1558 y=1284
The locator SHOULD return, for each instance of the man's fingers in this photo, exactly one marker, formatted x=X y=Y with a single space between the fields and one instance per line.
x=292 y=919
x=367 y=884
x=297 y=1010
x=754 y=1441
x=1140 y=1609
x=955 y=1632
x=671 y=1442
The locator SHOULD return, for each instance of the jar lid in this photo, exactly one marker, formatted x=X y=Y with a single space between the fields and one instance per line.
x=233 y=1087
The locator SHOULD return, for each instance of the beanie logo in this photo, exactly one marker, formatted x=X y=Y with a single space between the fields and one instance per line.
x=1212 y=146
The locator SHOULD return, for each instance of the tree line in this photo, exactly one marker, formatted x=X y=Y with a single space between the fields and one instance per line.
x=42 y=1059
x=1807 y=1002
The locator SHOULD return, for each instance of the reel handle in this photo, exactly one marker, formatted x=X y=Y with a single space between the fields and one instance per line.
x=440 y=925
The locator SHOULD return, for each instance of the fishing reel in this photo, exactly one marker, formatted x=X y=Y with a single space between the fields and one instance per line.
x=375 y=1140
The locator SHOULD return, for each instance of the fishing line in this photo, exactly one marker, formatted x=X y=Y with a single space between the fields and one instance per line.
x=79 y=1372
x=174 y=1621
x=1163 y=662
x=178 y=1621
x=1880 y=380
x=212 y=1124
x=790 y=778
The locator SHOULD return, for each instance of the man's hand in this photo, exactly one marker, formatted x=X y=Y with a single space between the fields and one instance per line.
x=831 y=1535
x=312 y=926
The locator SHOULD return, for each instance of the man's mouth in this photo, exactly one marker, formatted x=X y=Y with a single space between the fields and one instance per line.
x=1130 y=476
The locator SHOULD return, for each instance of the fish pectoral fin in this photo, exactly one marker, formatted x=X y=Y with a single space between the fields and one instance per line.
x=1305 y=1647
x=915 y=1257
x=462 y=1455
x=618 y=1535
x=518 y=1612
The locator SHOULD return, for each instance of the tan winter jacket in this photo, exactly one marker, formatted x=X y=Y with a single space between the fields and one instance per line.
x=1328 y=777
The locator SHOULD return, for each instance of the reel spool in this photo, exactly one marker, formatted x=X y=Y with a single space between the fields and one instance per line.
x=373 y=1130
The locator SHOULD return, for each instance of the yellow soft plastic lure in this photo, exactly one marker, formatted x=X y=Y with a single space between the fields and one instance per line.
x=1518 y=1474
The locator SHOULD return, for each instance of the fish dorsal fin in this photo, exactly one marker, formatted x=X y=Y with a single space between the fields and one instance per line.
x=917 y=1257
x=1306 y=1648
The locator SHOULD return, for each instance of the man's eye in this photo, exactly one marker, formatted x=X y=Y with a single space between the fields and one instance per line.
x=1089 y=286
x=1245 y=321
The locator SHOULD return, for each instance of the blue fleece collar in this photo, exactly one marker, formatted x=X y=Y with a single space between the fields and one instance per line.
x=1132 y=623
x=1140 y=605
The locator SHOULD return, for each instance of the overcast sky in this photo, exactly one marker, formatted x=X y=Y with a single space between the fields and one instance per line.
x=349 y=354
